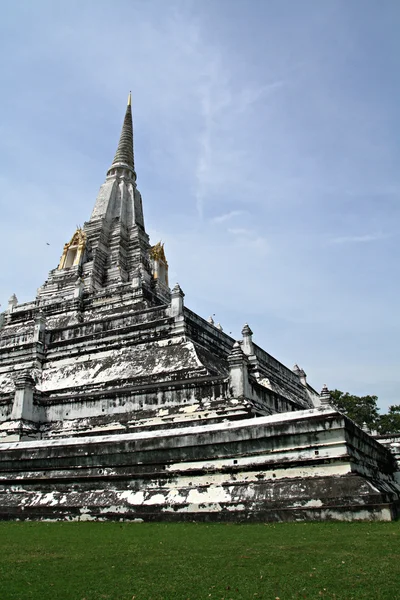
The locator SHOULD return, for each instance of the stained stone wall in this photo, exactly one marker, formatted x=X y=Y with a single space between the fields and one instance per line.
x=115 y=360
x=118 y=401
x=314 y=464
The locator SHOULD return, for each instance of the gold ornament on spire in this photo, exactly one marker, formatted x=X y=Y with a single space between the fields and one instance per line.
x=160 y=264
x=73 y=251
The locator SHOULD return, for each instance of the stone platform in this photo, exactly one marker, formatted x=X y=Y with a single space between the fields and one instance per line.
x=119 y=402
x=309 y=465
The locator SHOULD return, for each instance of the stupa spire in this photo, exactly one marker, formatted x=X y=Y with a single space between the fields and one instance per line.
x=124 y=154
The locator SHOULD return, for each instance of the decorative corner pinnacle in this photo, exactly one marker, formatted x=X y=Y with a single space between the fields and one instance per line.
x=246 y=331
x=236 y=354
x=177 y=290
x=300 y=372
x=325 y=396
x=24 y=379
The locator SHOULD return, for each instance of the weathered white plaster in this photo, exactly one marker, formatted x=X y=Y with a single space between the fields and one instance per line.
x=140 y=407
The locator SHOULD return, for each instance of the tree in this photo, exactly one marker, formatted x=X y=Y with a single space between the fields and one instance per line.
x=361 y=409
x=364 y=409
x=390 y=423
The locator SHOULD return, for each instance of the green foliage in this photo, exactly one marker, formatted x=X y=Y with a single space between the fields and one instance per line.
x=188 y=561
x=390 y=423
x=364 y=409
x=361 y=409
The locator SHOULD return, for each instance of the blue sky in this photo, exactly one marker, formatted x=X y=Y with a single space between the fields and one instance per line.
x=267 y=152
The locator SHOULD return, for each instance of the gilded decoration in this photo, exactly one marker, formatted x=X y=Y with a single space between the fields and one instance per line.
x=73 y=251
x=157 y=254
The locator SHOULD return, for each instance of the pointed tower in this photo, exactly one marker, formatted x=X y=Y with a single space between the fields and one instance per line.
x=115 y=232
x=114 y=246
x=124 y=156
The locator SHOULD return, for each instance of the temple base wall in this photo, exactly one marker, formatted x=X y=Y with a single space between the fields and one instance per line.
x=312 y=465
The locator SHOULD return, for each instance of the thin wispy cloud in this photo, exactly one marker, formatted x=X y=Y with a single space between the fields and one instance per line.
x=223 y=157
x=249 y=240
x=240 y=231
x=227 y=216
x=262 y=147
x=251 y=95
x=359 y=239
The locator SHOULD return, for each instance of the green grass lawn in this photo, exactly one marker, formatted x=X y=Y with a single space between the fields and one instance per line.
x=125 y=561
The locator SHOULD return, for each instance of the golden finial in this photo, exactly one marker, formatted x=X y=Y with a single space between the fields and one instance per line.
x=130 y=98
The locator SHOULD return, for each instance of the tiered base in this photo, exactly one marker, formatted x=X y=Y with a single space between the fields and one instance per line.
x=308 y=465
